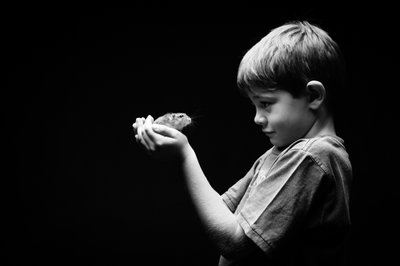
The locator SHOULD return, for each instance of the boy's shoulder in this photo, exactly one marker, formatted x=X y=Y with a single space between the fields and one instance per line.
x=324 y=150
x=320 y=144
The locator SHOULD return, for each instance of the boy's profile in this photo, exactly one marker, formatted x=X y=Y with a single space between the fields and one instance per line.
x=292 y=207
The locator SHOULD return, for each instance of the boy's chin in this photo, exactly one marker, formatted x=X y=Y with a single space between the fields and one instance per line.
x=274 y=141
x=278 y=144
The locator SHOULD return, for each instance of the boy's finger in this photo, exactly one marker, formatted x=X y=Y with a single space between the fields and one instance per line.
x=148 y=128
x=149 y=120
x=134 y=126
x=139 y=126
x=141 y=138
x=165 y=130
x=148 y=134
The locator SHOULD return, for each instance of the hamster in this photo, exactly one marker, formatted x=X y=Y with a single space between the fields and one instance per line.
x=174 y=120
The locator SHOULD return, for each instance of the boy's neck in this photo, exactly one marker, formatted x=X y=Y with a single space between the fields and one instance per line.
x=323 y=125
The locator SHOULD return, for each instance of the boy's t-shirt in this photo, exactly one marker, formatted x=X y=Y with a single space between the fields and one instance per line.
x=294 y=204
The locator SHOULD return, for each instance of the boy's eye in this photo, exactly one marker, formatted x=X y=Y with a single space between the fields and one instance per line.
x=265 y=104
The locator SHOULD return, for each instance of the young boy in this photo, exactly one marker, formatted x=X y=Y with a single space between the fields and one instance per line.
x=292 y=207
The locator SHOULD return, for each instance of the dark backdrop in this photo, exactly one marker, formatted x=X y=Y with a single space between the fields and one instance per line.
x=75 y=188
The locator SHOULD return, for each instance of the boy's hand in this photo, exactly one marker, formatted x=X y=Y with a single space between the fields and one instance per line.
x=160 y=141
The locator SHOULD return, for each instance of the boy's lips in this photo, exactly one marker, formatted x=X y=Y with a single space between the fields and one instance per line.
x=268 y=132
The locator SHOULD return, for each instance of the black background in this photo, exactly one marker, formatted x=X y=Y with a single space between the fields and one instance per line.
x=77 y=189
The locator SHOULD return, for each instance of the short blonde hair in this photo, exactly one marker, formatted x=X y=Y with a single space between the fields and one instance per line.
x=289 y=57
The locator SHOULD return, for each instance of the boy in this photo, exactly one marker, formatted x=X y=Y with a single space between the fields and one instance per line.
x=292 y=207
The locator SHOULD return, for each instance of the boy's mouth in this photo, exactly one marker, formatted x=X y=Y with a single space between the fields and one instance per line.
x=268 y=133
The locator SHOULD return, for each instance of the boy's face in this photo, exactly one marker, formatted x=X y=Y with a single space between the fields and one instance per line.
x=284 y=119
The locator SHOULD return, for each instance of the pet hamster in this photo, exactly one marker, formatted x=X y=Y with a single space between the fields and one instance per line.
x=174 y=120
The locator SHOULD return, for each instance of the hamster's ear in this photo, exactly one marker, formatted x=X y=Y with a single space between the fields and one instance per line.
x=316 y=94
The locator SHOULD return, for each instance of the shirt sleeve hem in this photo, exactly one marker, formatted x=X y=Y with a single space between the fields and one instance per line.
x=253 y=235
x=228 y=202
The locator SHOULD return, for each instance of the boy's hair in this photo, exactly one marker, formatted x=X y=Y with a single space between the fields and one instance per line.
x=289 y=57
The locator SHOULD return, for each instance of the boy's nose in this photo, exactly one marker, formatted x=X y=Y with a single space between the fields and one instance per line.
x=260 y=119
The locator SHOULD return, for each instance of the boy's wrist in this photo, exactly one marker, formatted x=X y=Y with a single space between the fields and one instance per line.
x=187 y=153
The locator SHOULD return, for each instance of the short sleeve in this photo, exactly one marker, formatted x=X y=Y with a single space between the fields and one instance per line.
x=278 y=204
x=234 y=194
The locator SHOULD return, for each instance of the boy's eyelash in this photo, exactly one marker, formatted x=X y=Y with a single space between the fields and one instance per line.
x=263 y=104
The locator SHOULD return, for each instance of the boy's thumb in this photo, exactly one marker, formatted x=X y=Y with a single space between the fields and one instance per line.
x=164 y=130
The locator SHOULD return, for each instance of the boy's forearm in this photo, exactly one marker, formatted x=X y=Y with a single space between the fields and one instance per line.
x=219 y=222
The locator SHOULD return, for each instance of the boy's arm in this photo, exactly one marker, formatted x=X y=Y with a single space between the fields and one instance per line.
x=220 y=223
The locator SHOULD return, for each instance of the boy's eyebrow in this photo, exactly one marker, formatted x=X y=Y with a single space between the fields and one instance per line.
x=266 y=93
x=262 y=96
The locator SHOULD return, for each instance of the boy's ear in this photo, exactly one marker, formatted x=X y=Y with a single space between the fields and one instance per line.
x=316 y=94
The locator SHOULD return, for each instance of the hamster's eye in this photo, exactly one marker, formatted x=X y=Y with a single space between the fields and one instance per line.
x=180 y=116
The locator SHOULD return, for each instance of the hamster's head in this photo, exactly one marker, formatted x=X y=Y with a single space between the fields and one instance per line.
x=174 y=120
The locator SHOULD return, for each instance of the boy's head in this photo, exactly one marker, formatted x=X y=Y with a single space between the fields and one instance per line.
x=291 y=76
x=291 y=56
